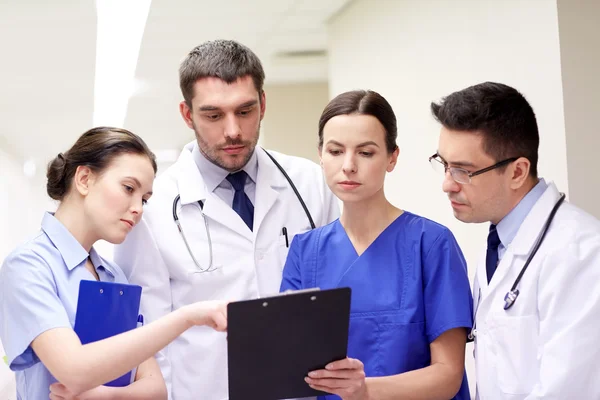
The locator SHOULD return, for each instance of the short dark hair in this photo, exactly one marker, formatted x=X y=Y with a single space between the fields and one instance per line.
x=362 y=102
x=224 y=59
x=95 y=149
x=500 y=114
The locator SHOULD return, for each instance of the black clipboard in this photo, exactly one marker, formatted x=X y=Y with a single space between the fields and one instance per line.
x=273 y=342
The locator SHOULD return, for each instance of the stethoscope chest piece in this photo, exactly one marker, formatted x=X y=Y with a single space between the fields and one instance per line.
x=510 y=298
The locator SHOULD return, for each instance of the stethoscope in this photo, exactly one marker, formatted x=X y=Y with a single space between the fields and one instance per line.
x=201 y=204
x=511 y=296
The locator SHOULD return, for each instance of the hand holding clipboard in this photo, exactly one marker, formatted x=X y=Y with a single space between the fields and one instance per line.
x=345 y=378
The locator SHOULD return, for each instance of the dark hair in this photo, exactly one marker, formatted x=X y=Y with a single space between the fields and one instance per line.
x=362 y=102
x=95 y=149
x=224 y=59
x=500 y=114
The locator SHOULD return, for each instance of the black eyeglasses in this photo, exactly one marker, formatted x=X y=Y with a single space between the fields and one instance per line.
x=461 y=175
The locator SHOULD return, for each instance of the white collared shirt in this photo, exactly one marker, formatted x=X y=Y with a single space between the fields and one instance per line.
x=215 y=176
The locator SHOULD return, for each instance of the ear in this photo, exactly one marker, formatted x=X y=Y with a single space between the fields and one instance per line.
x=519 y=172
x=82 y=180
x=263 y=104
x=186 y=113
x=393 y=159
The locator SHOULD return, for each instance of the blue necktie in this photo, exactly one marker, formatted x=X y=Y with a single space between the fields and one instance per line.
x=241 y=203
x=491 y=258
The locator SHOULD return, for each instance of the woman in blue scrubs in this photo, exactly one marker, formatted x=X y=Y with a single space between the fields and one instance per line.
x=411 y=300
x=101 y=183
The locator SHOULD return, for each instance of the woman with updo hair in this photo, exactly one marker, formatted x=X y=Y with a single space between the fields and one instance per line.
x=102 y=183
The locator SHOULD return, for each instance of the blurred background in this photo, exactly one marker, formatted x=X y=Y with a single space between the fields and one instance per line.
x=68 y=65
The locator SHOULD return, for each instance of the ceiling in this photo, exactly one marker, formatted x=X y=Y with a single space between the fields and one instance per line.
x=48 y=63
x=46 y=75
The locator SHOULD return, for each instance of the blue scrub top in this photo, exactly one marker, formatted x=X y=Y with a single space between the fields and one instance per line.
x=39 y=287
x=408 y=287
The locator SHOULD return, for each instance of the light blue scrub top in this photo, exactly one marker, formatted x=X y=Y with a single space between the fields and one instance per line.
x=39 y=286
x=408 y=287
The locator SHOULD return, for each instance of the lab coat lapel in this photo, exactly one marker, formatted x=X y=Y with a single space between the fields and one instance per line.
x=501 y=271
x=534 y=222
x=526 y=236
x=269 y=182
x=480 y=284
x=216 y=209
x=484 y=302
x=192 y=188
x=190 y=183
x=484 y=291
x=521 y=245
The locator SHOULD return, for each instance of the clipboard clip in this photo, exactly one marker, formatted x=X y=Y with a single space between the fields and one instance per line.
x=291 y=291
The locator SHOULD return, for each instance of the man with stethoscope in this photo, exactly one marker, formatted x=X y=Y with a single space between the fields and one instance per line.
x=222 y=217
x=537 y=287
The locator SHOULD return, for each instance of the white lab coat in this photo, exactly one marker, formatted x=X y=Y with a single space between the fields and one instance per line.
x=249 y=263
x=546 y=345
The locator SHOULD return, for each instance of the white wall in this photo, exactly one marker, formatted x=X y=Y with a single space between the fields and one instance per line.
x=22 y=203
x=415 y=51
x=291 y=123
x=579 y=27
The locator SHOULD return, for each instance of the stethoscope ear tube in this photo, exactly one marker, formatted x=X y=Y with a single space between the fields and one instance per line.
x=201 y=204
x=512 y=295
x=175 y=216
x=298 y=196
x=187 y=245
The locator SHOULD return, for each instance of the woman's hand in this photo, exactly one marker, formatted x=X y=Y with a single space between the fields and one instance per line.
x=58 y=391
x=209 y=313
x=346 y=378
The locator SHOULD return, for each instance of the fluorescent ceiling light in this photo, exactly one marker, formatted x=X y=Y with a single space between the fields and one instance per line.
x=120 y=29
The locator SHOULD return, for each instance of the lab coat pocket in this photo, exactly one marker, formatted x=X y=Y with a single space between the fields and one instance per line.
x=282 y=250
x=515 y=342
x=209 y=284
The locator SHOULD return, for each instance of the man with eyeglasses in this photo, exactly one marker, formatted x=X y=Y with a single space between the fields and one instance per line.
x=536 y=330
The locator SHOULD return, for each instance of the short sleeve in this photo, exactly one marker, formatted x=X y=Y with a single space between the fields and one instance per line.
x=447 y=292
x=29 y=306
